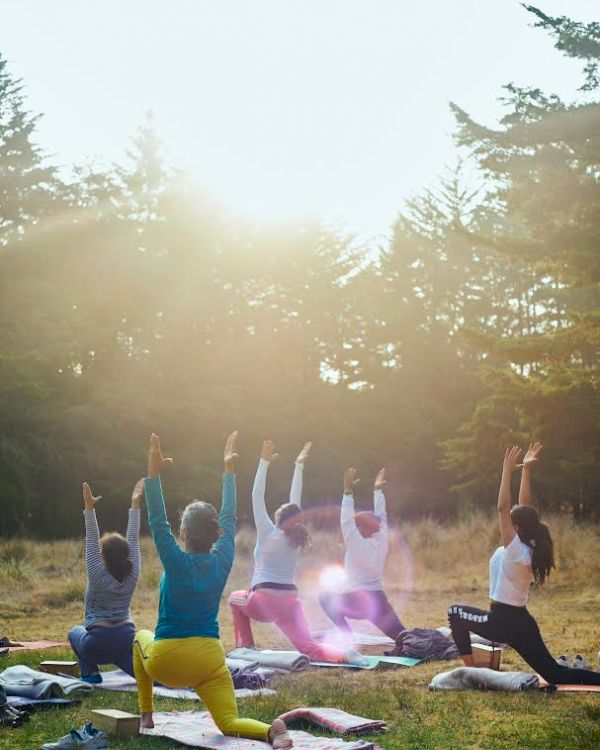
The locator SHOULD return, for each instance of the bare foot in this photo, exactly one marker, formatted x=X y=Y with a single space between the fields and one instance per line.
x=279 y=737
x=146 y=720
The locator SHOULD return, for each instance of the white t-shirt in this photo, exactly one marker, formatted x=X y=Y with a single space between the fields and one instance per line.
x=275 y=560
x=511 y=574
x=364 y=561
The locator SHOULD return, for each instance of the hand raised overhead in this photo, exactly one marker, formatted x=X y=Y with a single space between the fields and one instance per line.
x=532 y=455
x=229 y=455
x=303 y=455
x=350 y=480
x=268 y=451
x=137 y=494
x=380 y=480
x=156 y=460
x=511 y=459
x=89 y=499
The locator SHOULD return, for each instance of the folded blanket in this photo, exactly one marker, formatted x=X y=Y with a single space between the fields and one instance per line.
x=288 y=661
x=481 y=678
x=236 y=666
x=119 y=681
x=197 y=729
x=335 y=719
x=28 y=683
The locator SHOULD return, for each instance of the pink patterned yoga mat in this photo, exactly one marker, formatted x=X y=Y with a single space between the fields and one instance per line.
x=197 y=729
x=38 y=645
x=335 y=719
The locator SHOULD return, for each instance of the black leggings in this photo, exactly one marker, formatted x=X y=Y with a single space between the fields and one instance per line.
x=515 y=626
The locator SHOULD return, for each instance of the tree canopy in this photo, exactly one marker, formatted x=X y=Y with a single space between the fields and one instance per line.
x=131 y=302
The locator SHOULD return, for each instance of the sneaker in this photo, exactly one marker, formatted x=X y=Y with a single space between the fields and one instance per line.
x=580 y=662
x=92 y=679
x=77 y=740
x=562 y=661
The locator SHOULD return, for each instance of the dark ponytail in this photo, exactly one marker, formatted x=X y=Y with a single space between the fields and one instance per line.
x=115 y=555
x=536 y=535
x=289 y=519
x=543 y=553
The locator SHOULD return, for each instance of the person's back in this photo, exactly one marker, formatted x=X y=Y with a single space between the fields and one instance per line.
x=113 y=569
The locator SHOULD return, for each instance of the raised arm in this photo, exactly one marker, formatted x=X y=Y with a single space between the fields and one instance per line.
x=224 y=547
x=259 y=509
x=347 y=522
x=379 y=498
x=93 y=555
x=169 y=551
x=507 y=530
x=133 y=526
x=529 y=460
x=296 y=488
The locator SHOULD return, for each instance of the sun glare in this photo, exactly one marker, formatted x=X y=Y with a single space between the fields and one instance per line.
x=332 y=578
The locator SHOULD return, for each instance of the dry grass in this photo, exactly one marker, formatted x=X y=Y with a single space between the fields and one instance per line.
x=430 y=566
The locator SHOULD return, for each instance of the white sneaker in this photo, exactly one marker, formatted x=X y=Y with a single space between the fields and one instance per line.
x=580 y=662
x=562 y=661
x=77 y=740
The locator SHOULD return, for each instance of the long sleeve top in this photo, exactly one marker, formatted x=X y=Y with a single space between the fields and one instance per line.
x=192 y=583
x=107 y=600
x=364 y=561
x=275 y=560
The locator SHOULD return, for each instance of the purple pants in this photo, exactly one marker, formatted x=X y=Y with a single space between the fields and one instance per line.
x=361 y=605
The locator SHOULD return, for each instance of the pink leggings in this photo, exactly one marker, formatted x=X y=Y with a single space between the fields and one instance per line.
x=287 y=613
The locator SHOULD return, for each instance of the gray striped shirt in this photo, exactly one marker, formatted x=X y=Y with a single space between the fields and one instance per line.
x=106 y=599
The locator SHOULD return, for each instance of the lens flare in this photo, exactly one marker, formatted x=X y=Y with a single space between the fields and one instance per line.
x=332 y=578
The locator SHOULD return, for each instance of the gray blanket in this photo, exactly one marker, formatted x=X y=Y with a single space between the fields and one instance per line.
x=285 y=661
x=481 y=678
x=28 y=683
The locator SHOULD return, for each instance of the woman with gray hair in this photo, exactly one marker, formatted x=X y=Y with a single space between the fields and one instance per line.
x=185 y=650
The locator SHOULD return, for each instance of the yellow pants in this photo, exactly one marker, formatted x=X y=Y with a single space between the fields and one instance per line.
x=192 y=662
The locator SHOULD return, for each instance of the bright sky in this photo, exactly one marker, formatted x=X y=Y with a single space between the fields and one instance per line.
x=336 y=108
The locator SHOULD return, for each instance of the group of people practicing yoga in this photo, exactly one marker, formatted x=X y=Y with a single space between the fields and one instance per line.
x=185 y=649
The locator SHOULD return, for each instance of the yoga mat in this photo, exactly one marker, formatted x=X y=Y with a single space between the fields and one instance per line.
x=567 y=688
x=357 y=639
x=374 y=662
x=19 y=700
x=120 y=681
x=38 y=645
x=197 y=729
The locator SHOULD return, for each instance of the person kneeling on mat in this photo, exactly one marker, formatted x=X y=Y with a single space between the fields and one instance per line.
x=113 y=569
x=185 y=650
x=273 y=595
x=525 y=556
x=366 y=540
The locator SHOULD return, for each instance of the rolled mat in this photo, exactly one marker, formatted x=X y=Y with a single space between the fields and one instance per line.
x=335 y=719
x=481 y=678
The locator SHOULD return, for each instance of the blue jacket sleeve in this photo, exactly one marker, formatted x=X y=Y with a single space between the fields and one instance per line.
x=224 y=548
x=170 y=553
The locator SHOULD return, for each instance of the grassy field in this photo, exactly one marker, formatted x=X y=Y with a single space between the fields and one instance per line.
x=430 y=567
